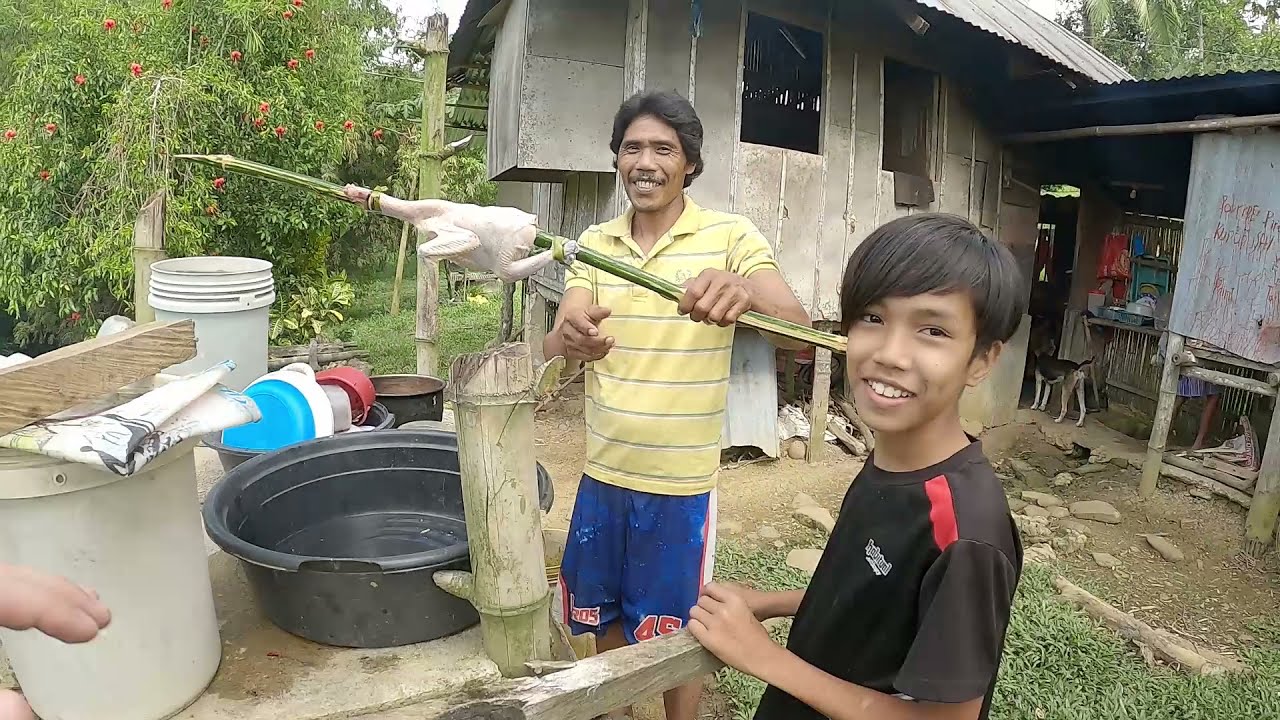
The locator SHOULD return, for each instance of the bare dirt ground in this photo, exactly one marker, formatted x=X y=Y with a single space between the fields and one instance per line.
x=1212 y=596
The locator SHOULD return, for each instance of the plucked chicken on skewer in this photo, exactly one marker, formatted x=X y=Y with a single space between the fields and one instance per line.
x=489 y=239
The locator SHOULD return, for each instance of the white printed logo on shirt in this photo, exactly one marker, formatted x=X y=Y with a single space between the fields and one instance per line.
x=876 y=560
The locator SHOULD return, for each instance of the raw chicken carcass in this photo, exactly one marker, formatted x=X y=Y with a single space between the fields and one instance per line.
x=492 y=239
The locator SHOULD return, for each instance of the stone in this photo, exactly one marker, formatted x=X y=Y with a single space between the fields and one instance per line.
x=1025 y=472
x=1201 y=493
x=1044 y=500
x=1106 y=560
x=768 y=532
x=779 y=544
x=1069 y=542
x=1016 y=504
x=804 y=559
x=1167 y=549
x=797 y=450
x=728 y=527
x=972 y=427
x=1059 y=512
x=1033 y=529
x=815 y=517
x=803 y=500
x=1062 y=479
x=1091 y=468
x=1073 y=524
x=1096 y=510
x=1040 y=554
x=1035 y=511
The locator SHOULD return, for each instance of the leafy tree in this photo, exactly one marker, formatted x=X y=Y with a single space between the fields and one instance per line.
x=99 y=95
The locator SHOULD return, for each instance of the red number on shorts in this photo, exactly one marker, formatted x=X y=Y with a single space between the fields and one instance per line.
x=654 y=625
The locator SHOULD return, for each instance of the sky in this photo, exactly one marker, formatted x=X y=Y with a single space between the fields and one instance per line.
x=417 y=10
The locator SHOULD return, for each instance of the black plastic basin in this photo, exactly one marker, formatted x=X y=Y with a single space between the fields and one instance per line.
x=339 y=537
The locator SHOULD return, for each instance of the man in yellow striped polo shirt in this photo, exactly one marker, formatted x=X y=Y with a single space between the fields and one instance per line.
x=642 y=536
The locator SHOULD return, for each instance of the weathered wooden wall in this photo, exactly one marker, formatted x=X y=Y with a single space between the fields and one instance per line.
x=1228 y=286
x=814 y=208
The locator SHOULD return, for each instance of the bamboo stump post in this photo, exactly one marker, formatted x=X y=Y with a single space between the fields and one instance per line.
x=493 y=393
x=1163 y=418
x=148 y=247
x=1260 y=525
x=534 y=317
x=399 y=281
x=821 y=401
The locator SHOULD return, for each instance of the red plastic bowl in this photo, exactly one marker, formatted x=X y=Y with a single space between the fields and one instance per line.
x=357 y=386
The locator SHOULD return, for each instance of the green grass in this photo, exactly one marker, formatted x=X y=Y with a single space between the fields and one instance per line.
x=1058 y=665
x=465 y=325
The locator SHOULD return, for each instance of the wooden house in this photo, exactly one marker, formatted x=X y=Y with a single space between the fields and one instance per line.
x=823 y=120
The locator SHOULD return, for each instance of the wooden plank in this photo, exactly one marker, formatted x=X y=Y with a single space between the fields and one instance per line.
x=1229 y=468
x=1206 y=483
x=78 y=373
x=821 y=400
x=1195 y=467
x=589 y=688
x=1163 y=419
x=1257 y=387
x=1261 y=524
x=759 y=189
x=803 y=196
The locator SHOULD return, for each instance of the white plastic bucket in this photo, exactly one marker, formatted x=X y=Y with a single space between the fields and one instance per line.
x=138 y=541
x=229 y=298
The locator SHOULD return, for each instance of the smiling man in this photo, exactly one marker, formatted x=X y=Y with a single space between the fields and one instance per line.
x=642 y=536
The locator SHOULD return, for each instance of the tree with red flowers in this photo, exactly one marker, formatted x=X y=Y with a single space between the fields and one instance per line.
x=97 y=95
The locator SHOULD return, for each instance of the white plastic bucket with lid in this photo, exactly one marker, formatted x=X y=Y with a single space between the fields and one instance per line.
x=229 y=299
x=138 y=541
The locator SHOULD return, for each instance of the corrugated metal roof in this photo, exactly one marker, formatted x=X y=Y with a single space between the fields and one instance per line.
x=1015 y=22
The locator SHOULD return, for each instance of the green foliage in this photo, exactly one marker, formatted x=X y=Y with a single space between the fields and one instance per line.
x=1212 y=36
x=101 y=93
x=1057 y=665
x=312 y=312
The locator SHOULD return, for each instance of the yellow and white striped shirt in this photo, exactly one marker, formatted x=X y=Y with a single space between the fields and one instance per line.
x=655 y=403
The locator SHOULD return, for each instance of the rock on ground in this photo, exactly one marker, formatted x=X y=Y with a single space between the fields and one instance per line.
x=1167 y=549
x=1044 y=500
x=804 y=559
x=1035 y=511
x=1016 y=504
x=1039 y=554
x=1033 y=529
x=1028 y=474
x=1072 y=524
x=1106 y=560
x=768 y=532
x=1201 y=493
x=1090 y=468
x=1062 y=479
x=1096 y=510
x=797 y=450
x=815 y=517
x=803 y=500
x=1069 y=542
x=1059 y=512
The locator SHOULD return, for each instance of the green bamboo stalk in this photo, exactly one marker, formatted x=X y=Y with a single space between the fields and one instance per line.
x=546 y=241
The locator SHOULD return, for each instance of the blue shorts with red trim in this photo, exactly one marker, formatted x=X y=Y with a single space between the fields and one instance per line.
x=636 y=557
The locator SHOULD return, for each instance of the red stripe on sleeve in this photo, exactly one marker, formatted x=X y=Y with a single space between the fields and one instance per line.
x=942 y=512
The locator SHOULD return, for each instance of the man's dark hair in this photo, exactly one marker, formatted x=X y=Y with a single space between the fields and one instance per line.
x=937 y=253
x=672 y=109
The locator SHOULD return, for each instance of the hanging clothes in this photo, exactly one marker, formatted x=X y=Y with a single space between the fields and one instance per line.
x=1113 y=264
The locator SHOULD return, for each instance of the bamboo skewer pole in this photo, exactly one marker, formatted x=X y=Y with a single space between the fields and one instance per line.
x=560 y=246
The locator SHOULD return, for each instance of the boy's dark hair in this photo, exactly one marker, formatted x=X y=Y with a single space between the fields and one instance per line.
x=672 y=109
x=937 y=253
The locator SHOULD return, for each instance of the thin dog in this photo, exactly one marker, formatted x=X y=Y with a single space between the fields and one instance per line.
x=1052 y=370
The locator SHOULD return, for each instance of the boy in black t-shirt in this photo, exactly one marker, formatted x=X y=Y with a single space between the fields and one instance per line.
x=906 y=613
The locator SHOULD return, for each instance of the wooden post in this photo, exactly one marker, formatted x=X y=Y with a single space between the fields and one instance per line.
x=1164 y=416
x=148 y=247
x=435 y=52
x=821 y=401
x=399 y=281
x=1260 y=525
x=493 y=393
x=535 y=319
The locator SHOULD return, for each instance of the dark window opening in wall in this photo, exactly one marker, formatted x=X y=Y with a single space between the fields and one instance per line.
x=908 y=114
x=781 y=85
